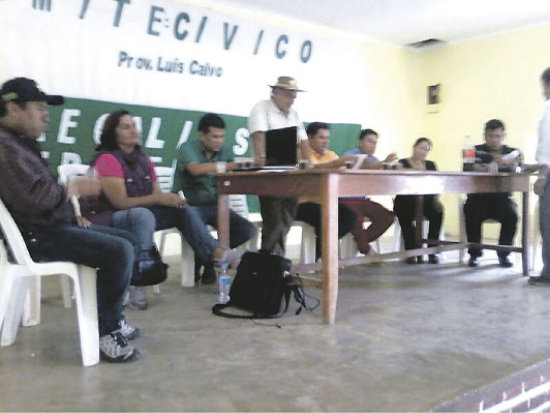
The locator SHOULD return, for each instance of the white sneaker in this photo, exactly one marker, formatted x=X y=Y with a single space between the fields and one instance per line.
x=138 y=298
x=114 y=348
x=128 y=330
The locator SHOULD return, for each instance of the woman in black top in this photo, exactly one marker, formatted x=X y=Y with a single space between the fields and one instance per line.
x=404 y=206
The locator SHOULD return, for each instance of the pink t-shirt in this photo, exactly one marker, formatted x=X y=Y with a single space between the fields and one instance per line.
x=108 y=165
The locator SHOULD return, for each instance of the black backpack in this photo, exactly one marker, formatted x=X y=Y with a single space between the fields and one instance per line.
x=263 y=286
x=149 y=269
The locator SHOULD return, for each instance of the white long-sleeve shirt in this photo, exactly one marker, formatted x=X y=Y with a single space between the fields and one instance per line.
x=543 y=147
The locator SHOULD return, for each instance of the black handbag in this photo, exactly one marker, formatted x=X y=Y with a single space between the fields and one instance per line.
x=263 y=286
x=149 y=269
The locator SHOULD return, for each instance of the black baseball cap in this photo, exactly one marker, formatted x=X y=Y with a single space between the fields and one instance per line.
x=22 y=89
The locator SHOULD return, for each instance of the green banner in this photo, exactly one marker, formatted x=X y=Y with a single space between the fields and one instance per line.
x=75 y=127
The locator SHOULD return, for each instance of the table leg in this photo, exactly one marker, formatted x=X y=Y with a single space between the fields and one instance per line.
x=223 y=220
x=329 y=224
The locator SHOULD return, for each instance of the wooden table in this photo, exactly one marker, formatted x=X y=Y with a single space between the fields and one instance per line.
x=329 y=185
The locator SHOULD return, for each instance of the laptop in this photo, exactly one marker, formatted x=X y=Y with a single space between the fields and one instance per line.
x=280 y=148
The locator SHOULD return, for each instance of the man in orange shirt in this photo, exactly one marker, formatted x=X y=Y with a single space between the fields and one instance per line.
x=320 y=157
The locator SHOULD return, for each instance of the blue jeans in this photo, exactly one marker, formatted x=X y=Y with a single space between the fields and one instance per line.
x=139 y=221
x=110 y=250
x=240 y=229
x=191 y=226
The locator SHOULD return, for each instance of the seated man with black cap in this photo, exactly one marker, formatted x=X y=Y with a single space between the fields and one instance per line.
x=46 y=219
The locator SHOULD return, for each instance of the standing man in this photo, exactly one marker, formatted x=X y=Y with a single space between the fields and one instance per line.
x=43 y=213
x=275 y=113
x=541 y=185
x=498 y=206
x=198 y=162
x=380 y=217
x=320 y=156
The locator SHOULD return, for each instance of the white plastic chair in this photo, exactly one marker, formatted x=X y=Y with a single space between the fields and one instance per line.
x=20 y=290
x=65 y=173
x=307 y=244
x=348 y=246
x=239 y=204
x=165 y=177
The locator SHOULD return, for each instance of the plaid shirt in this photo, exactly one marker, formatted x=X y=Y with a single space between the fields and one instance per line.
x=27 y=187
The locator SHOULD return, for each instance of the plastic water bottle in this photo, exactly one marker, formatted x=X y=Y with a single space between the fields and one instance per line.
x=515 y=155
x=468 y=155
x=224 y=284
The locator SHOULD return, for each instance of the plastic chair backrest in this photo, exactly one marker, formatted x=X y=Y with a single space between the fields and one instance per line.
x=239 y=204
x=3 y=254
x=13 y=237
x=165 y=177
x=69 y=170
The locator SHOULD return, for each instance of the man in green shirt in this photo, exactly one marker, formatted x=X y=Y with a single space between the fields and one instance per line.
x=199 y=160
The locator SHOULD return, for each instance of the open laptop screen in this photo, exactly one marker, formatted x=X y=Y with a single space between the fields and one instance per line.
x=280 y=147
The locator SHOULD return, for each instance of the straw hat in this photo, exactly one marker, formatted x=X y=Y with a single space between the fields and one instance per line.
x=287 y=83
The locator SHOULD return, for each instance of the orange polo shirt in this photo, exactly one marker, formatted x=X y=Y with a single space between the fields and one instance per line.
x=314 y=159
x=328 y=156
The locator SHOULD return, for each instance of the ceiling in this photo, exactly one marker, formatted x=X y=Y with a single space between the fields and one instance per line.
x=403 y=22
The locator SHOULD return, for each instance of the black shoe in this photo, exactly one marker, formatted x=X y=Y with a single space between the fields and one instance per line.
x=473 y=262
x=540 y=281
x=505 y=262
x=411 y=260
x=209 y=274
x=433 y=259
